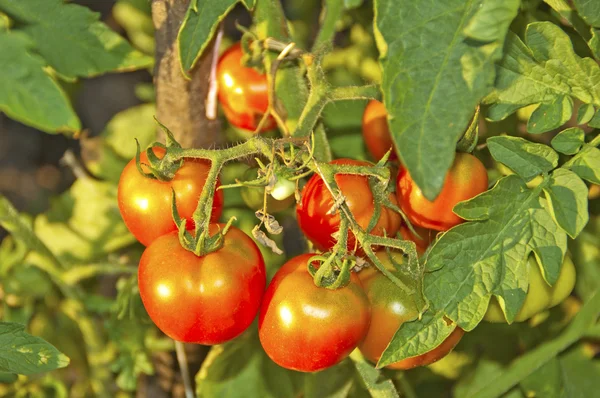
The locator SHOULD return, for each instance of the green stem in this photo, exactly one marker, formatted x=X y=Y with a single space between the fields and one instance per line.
x=370 y=91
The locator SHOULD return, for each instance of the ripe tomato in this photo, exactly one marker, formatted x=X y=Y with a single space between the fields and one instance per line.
x=390 y=308
x=242 y=91
x=205 y=300
x=316 y=201
x=376 y=131
x=145 y=203
x=307 y=328
x=540 y=295
x=466 y=178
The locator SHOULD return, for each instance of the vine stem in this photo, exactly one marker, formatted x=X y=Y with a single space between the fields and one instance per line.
x=183 y=367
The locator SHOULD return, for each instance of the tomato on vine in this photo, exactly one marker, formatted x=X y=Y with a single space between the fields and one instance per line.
x=243 y=92
x=465 y=179
x=254 y=196
x=540 y=295
x=145 y=203
x=308 y=328
x=205 y=300
x=318 y=226
x=376 y=131
x=390 y=308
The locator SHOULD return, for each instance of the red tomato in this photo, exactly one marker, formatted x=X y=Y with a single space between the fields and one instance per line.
x=307 y=328
x=466 y=178
x=243 y=92
x=145 y=203
x=316 y=201
x=205 y=300
x=376 y=131
x=390 y=308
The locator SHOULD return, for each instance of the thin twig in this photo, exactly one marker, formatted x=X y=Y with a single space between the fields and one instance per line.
x=183 y=367
x=211 y=97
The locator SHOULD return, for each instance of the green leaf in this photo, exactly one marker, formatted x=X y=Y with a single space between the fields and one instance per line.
x=475 y=260
x=569 y=140
x=567 y=12
x=425 y=123
x=72 y=39
x=27 y=93
x=549 y=116
x=334 y=382
x=198 y=27
x=525 y=158
x=136 y=18
x=585 y=113
x=595 y=121
x=241 y=368
x=594 y=43
x=84 y=223
x=589 y=11
x=545 y=68
x=377 y=385
x=586 y=257
x=522 y=367
x=136 y=122
x=290 y=86
x=567 y=196
x=545 y=381
x=587 y=164
x=348 y=146
x=25 y=354
x=492 y=20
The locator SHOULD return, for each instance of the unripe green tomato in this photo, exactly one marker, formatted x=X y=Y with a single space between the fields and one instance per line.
x=540 y=295
x=283 y=189
x=253 y=196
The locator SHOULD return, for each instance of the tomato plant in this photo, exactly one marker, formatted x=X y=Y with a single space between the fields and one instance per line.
x=145 y=203
x=540 y=295
x=254 y=196
x=307 y=328
x=312 y=211
x=390 y=308
x=466 y=178
x=243 y=92
x=206 y=299
x=376 y=131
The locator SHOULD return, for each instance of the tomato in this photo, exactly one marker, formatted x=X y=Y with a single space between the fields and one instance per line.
x=308 y=328
x=376 y=131
x=205 y=300
x=243 y=92
x=316 y=201
x=254 y=196
x=466 y=178
x=390 y=308
x=426 y=236
x=540 y=295
x=145 y=203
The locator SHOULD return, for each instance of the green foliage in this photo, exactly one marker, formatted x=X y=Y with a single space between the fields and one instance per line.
x=430 y=106
x=569 y=141
x=24 y=354
x=523 y=157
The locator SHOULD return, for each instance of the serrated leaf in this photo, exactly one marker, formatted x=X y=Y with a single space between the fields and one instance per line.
x=84 y=223
x=549 y=116
x=290 y=86
x=72 y=39
x=569 y=140
x=27 y=93
x=589 y=10
x=424 y=124
x=25 y=354
x=475 y=260
x=492 y=20
x=198 y=27
x=525 y=158
x=585 y=113
x=587 y=164
x=567 y=196
x=544 y=68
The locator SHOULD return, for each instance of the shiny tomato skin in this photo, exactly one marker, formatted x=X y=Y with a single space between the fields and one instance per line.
x=307 y=328
x=376 y=131
x=466 y=178
x=145 y=203
x=242 y=91
x=316 y=201
x=204 y=300
x=390 y=308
